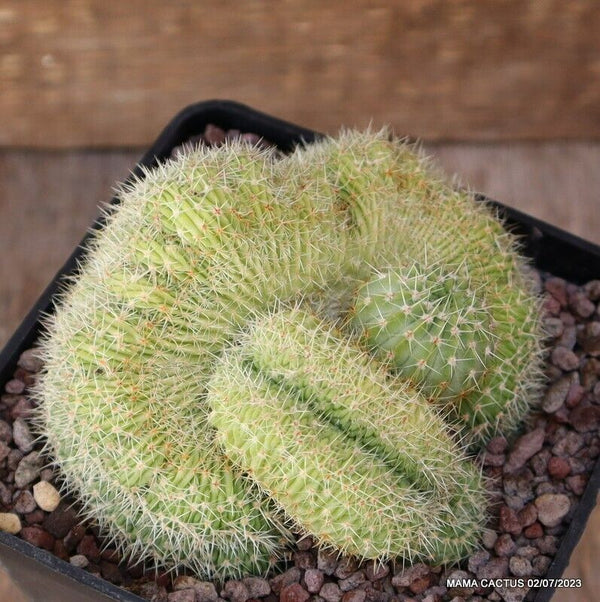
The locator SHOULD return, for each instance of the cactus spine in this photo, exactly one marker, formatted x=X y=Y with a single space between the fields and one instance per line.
x=353 y=457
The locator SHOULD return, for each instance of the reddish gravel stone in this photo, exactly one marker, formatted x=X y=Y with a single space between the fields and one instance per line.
x=24 y=503
x=356 y=595
x=14 y=386
x=304 y=560
x=568 y=445
x=589 y=373
x=154 y=592
x=581 y=305
x=505 y=546
x=9 y=400
x=73 y=537
x=459 y=591
x=375 y=570
x=111 y=572
x=28 y=469
x=60 y=521
x=528 y=515
x=29 y=361
x=558 y=468
x=567 y=318
x=577 y=483
x=520 y=567
x=5 y=432
x=183 y=595
x=592 y=289
x=346 y=566
x=556 y=395
x=477 y=560
x=418 y=586
x=89 y=548
x=496 y=460
x=257 y=587
x=290 y=576
x=35 y=518
x=497 y=445
x=496 y=568
x=294 y=593
x=214 y=135
x=233 y=134
x=235 y=591
x=523 y=449
x=206 y=591
x=13 y=460
x=565 y=359
x=557 y=287
x=509 y=521
x=60 y=550
x=585 y=418
x=540 y=564
x=22 y=409
x=37 y=536
x=552 y=373
x=327 y=561
x=534 y=531
x=410 y=574
x=331 y=592
x=489 y=539
x=551 y=306
x=163 y=578
x=554 y=327
x=352 y=581
x=589 y=338
x=576 y=392
x=305 y=543
x=548 y=544
x=314 y=578
x=110 y=554
x=5 y=495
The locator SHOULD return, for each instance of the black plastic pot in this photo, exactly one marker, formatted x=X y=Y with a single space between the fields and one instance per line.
x=550 y=248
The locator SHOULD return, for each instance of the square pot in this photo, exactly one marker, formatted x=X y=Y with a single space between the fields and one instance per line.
x=550 y=249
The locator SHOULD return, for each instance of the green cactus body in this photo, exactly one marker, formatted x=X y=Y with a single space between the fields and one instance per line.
x=355 y=458
x=429 y=326
x=203 y=246
x=193 y=249
x=427 y=223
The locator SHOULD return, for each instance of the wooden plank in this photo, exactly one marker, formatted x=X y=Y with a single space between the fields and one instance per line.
x=97 y=73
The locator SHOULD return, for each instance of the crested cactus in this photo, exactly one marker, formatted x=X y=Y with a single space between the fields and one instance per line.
x=194 y=248
x=355 y=458
x=406 y=217
x=172 y=327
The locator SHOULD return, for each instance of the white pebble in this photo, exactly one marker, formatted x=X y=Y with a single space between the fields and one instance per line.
x=46 y=496
x=79 y=560
x=10 y=523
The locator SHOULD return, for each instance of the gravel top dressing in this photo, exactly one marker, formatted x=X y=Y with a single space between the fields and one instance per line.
x=535 y=484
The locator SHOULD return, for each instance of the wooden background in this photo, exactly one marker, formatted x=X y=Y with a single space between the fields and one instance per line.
x=504 y=93
x=92 y=73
